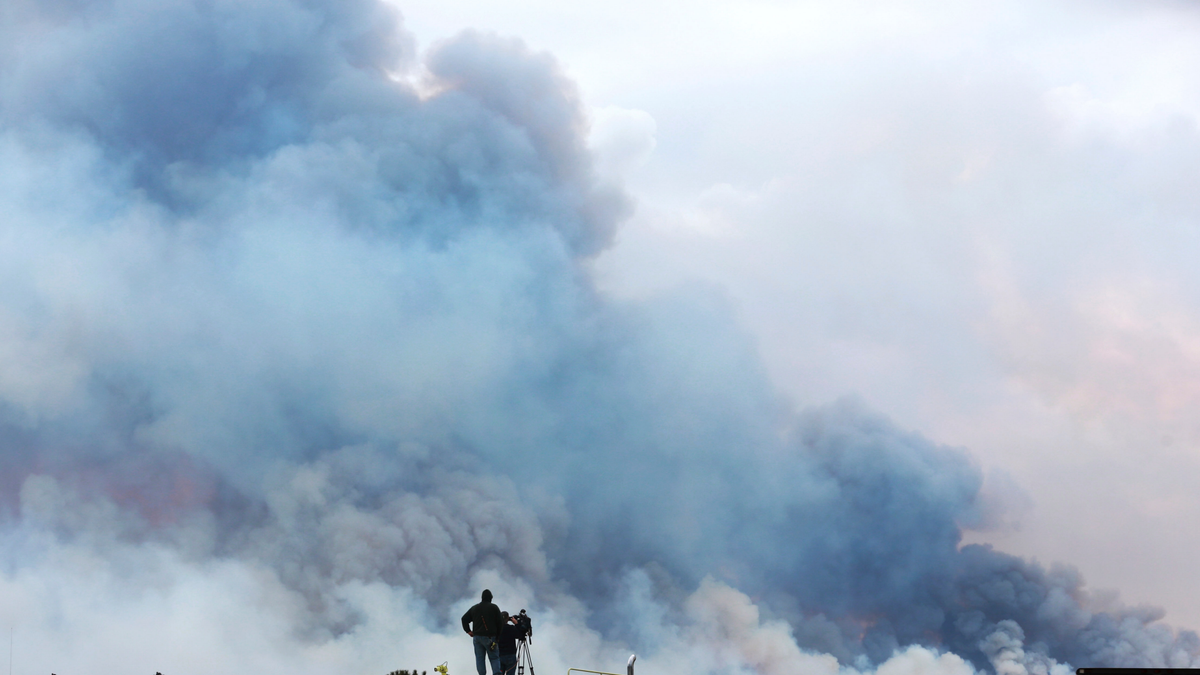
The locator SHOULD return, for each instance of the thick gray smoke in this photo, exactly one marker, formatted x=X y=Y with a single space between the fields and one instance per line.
x=273 y=322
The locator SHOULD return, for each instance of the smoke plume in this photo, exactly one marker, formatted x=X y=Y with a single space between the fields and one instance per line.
x=296 y=357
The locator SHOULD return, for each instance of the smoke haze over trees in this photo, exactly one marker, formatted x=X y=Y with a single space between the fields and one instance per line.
x=299 y=349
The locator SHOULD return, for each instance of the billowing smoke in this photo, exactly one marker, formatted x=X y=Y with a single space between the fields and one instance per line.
x=298 y=351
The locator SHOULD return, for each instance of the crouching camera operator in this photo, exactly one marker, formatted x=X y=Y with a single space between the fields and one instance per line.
x=515 y=629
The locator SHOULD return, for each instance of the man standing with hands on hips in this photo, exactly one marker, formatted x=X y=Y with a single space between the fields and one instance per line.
x=482 y=623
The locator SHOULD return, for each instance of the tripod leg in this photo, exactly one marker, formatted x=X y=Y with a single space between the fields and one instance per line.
x=529 y=659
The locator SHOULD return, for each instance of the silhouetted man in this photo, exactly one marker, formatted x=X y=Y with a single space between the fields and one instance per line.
x=482 y=623
x=509 y=634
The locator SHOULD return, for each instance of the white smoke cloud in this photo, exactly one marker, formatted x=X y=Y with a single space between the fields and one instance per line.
x=976 y=218
x=119 y=607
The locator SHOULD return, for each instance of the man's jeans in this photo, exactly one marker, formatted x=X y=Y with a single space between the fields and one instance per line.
x=508 y=663
x=493 y=654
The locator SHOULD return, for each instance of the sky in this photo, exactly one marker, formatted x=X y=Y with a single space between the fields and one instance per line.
x=980 y=219
x=765 y=338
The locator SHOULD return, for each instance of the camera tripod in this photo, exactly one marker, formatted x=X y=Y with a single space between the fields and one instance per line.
x=523 y=657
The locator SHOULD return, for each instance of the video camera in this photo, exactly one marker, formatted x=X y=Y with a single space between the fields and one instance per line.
x=523 y=622
x=524 y=626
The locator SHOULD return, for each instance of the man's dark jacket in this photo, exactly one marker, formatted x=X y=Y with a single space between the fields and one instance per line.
x=508 y=638
x=482 y=619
